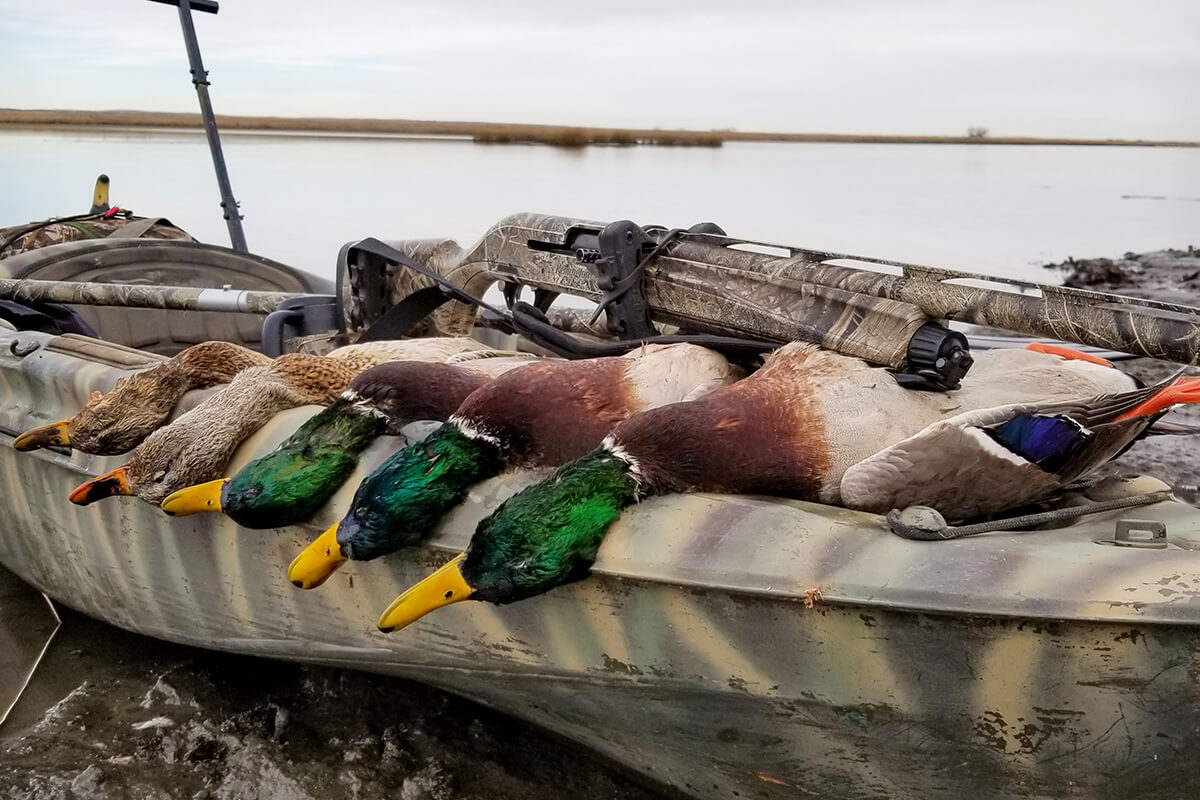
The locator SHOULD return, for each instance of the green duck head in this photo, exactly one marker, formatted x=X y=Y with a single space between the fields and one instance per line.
x=289 y=484
x=401 y=501
x=542 y=537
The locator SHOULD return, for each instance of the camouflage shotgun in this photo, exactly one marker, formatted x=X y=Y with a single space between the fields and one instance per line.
x=707 y=282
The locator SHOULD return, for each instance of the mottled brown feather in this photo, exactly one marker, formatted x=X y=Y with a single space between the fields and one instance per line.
x=117 y=421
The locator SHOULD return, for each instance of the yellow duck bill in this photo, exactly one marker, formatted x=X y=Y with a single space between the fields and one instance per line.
x=55 y=434
x=195 y=499
x=442 y=588
x=109 y=484
x=316 y=562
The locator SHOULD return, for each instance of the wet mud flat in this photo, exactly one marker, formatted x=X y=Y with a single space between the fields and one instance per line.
x=111 y=715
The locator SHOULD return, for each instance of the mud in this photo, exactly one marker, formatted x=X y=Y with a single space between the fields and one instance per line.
x=1171 y=276
x=112 y=715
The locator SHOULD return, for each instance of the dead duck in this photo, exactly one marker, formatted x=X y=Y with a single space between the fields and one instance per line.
x=289 y=484
x=793 y=429
x=538 y=416
x=117 y=421
x=197 y=446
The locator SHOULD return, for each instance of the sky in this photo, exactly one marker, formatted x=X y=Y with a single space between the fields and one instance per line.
x=1076 y=68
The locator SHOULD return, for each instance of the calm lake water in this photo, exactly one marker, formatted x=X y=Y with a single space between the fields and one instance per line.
x=993 y=209
x=1002 y=210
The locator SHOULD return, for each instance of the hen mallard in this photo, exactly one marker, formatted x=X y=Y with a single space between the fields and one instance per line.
x=117 y=421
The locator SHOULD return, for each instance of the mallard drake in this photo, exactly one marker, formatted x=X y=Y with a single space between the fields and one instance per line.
x=289 y=484
x=541 y=415
x=197 y=446
x=793 y=429
x=119 y=420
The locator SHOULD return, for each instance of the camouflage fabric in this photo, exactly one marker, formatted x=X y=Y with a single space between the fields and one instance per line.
x=16 y=240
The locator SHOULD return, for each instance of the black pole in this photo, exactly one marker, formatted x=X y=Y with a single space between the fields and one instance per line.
x=233 y=219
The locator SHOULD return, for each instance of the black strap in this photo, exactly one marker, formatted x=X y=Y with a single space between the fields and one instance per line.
x=402 y=317
x=533 y=325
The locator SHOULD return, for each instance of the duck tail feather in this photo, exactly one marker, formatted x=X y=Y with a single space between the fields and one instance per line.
x=1179 y=391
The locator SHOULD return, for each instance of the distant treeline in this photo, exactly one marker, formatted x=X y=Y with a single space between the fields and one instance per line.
x=557 y=135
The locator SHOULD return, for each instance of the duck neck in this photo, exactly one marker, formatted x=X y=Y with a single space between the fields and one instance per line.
x=341 y=424
x=291 y=483
x=550 y=533
x=406 y=496
x=210 y=363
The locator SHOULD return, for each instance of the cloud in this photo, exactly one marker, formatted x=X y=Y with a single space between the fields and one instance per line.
x=1103 y=69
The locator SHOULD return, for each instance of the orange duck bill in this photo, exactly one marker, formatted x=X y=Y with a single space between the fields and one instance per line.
x=109 y=484
x=54 y=434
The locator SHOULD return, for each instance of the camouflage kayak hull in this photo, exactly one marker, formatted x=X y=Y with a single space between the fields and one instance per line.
x=1013 y=665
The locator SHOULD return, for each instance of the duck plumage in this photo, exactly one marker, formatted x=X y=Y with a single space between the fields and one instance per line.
x=795 y=428
x=198 y=444
x=539 y=416
x=293 y=481
x=117 y=421
x=990 y=460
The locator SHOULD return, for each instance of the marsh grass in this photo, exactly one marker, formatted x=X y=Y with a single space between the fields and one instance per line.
x=497 y=133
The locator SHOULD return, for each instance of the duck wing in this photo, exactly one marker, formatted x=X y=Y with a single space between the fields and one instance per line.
x=951 y=465
x=986 y=461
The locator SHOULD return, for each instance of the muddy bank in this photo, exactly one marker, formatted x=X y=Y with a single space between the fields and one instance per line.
x=1171 y=276
x=112 y=715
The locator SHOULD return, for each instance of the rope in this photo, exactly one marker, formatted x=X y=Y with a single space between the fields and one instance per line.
x=935 y=528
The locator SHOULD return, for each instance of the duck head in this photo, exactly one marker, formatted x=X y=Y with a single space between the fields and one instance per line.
x=107 y=425
x=400 y=501
x=540 y=538
x=291 y=483
x=168 y=460
x=110 y=423
x=281 y=488
x=119 y=421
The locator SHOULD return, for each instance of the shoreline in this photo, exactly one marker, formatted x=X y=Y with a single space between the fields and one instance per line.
x=1170 y=276
x=504 y=133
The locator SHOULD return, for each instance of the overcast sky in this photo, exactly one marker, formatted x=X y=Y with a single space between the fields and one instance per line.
x=1083 y=68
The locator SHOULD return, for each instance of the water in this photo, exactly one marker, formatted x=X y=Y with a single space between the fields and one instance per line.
x=240 y=727
x=1002 y=210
